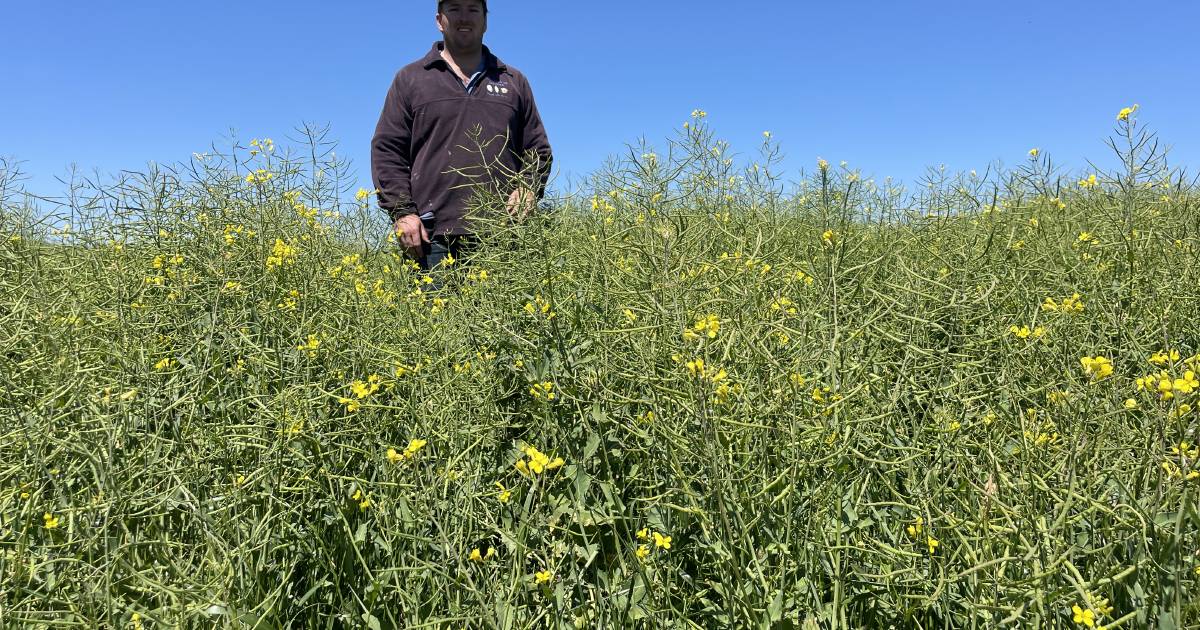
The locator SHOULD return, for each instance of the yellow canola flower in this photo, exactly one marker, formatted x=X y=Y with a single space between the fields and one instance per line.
x=1187 y=384
x=310 y=345
x=539 y=305
x=1073 y=304
x=1126 y=112
x=1097 y=367
x=503 y=494
x=1186 y=449
x=362 y=389
x=50 y=520
x=542 y=577
x=261 y=175
x=414 y=446
x=1166 y=388
x=1164 y=357
x=917 y=527
x=537 y=463
x=543 y=391
x=409 y=452
x=784 y=304
x=662 y=542
x=707 y=326
x=933 y=544
x=1024 y=332
x=643 y=551
x=1089 y=182
x=1083 y=617
x=478 y=556
x=282 y=253
x=1034 y=152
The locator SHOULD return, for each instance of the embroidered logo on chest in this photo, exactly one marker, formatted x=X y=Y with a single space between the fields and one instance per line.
x=498 y=89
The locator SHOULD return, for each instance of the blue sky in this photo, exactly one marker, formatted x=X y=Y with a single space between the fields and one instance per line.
x=891 y=87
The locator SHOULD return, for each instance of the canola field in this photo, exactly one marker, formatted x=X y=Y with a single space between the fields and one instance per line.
x=693 y=395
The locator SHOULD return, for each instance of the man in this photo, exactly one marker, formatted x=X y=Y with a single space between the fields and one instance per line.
x=426 y=158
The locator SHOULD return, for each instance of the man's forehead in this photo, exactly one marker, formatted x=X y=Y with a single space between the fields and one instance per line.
x=461 y=4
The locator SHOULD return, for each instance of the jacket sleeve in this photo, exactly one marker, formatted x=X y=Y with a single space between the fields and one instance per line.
x=391 y=154
x=535 y=150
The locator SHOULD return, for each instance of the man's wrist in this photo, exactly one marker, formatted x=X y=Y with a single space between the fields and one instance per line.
x=395 y=214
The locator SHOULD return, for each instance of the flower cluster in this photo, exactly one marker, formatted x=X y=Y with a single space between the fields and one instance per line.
x=707 y=326
x=409 y=452
x=233 y=233
x=646 y=535
x=784 y=305
x=260 y=176
x=540 y=306
x=282 y=254
x=362 y=499
x=1164 y=357
x=1092 y=611
x=310 y=345
x=1167 y=387
x=361 y=390
x=916 y=530
x=1067 y=306
x=1097 y=367
x=1024 y=332
x=1181 y=462
x=538 y=462
x=543 y=391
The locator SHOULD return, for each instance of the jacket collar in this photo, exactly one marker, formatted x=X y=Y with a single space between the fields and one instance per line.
x=434 y=58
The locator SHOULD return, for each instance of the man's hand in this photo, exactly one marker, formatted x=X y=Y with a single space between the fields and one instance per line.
x=412 y=235
x=520 y=203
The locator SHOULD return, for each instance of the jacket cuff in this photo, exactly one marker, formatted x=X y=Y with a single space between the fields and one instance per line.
x=395 y=213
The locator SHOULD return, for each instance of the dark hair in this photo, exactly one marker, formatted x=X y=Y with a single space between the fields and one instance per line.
x=441 y=2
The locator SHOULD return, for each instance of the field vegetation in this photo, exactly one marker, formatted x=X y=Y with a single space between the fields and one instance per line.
x=693 y=395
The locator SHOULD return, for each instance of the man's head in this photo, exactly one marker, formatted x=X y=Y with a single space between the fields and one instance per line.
x=462 y=23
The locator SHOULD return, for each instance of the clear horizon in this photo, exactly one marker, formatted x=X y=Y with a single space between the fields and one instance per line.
x=890 y=89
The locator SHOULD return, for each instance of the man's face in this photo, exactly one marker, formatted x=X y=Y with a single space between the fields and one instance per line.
x=462 y=23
